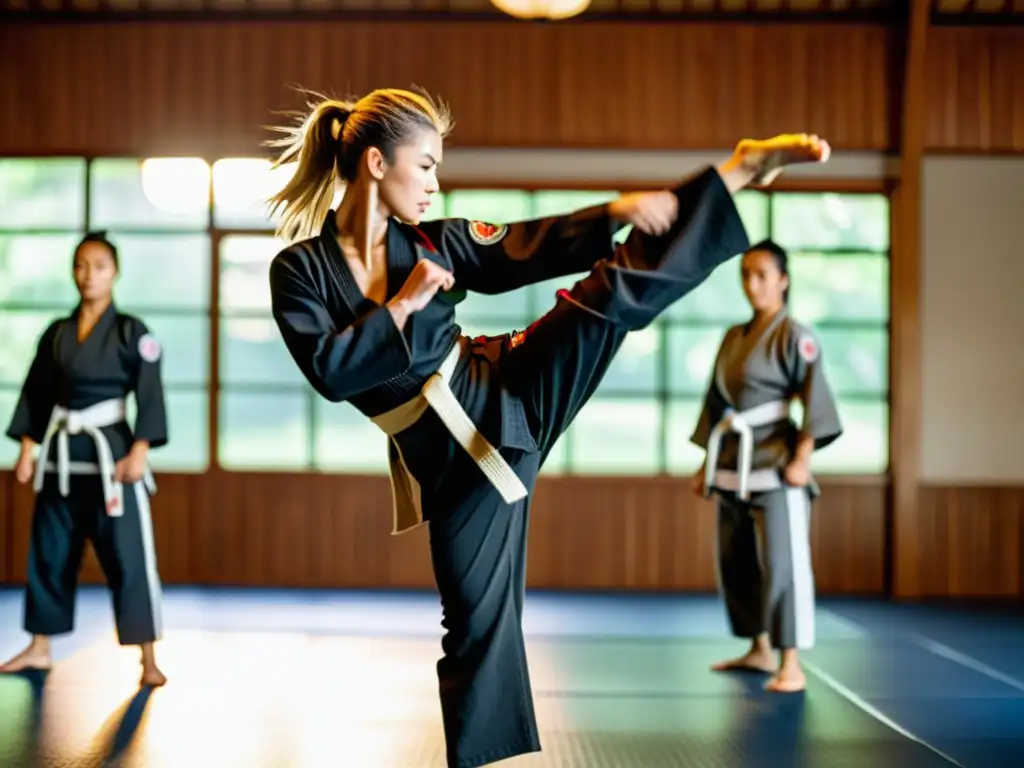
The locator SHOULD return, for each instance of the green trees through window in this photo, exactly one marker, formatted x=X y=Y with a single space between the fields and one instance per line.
x=173 y=232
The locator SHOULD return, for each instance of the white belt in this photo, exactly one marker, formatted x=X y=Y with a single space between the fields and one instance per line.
x=437 y=394
x=743 y=422
x=90 y=421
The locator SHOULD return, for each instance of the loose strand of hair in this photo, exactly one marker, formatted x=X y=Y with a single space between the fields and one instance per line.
x=304 y=200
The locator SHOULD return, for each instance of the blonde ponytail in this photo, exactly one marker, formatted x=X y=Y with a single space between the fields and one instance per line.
x=328 y=141
x=313 y=143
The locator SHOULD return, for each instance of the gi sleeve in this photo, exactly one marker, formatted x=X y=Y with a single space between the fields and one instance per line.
x=495 y=258
x=338 y=363
x=713 y=408
x=38 y=392
x=821 y=415
x=146 y=360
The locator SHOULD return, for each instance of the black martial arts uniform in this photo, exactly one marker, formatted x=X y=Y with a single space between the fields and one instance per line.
x=763 y=549
x=73 y=405
x=520 y=392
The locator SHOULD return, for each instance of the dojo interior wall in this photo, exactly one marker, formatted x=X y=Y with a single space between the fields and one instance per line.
x=972 y=482
x=973 y=316
x=144 y=89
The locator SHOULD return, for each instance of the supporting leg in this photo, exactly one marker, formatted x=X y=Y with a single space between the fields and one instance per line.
x=789 y=581
x=125 y=548
x=478 y=550
x=741 y=585
x=55 y=558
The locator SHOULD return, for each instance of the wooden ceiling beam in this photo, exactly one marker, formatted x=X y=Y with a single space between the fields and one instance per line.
x=884 y=13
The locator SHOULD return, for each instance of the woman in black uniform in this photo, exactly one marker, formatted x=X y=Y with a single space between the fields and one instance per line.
x=364 y=299
x=91 y=475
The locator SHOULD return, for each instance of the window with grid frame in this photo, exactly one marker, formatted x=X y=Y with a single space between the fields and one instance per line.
x=638 y=422
x=157 y=213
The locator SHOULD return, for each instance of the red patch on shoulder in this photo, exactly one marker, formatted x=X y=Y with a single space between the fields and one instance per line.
x=485 y=233
x=808 y=349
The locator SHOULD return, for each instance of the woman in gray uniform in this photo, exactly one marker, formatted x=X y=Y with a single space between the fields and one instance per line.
x=758 y=464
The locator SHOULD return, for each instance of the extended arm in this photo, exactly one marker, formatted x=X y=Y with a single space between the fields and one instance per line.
x=714 y=404
x=821 y=425
x=146 y=358
x=339 y=363
x=38 y=394
x=489 y=258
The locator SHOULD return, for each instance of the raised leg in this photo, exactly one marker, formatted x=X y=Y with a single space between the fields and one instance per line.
x=558 y=363
x=478 y=550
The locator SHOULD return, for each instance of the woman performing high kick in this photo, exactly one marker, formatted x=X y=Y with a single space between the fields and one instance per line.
x=365 y=301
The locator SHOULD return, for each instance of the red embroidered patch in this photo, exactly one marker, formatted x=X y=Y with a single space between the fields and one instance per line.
x=149 y=348
x=808 y=348
x=486 y=234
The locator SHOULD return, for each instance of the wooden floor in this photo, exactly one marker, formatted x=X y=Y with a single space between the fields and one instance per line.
x=297 y=679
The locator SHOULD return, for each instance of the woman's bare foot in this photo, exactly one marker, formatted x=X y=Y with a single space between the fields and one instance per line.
x=36 y=656
x=758 y=659
x=751 y=662
x=151 y=674
x=766 y=158
x=790 y=677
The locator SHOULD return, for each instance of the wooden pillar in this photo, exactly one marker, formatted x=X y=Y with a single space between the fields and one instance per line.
x=905 y=424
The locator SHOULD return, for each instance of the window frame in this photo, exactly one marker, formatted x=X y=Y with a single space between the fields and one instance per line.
x=662 y=394
x=57 y=309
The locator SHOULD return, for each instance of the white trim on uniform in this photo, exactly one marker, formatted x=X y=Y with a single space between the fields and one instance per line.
x=798 y=514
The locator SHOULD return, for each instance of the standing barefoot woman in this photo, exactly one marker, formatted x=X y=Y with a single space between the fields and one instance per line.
x=758 y=463
x=92 y=476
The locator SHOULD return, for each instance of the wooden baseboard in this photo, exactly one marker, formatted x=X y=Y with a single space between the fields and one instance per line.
x=333 y=531
x=642 y=534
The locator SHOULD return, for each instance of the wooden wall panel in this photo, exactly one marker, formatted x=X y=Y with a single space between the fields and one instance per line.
x=7 y=572
x=333 y=531
x=971 y=541
x=208 y=88
x=975 y=90
x=608 y=533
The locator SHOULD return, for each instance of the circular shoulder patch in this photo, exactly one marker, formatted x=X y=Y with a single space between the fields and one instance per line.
x=807 y=347
x=487 y=234
x=149 y=348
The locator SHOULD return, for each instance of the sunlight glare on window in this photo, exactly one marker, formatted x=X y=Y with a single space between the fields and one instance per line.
x=700 y=359
x=179 y=185
x=837 y=211
x=245 y=261
x=241 y=188
x=258 y=330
